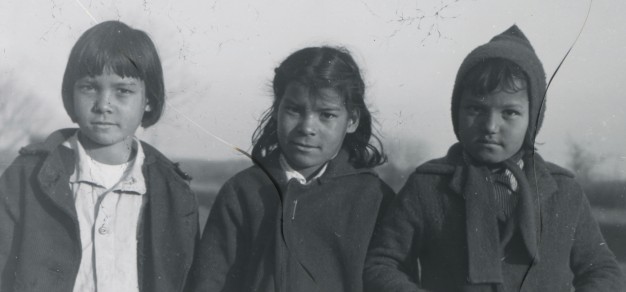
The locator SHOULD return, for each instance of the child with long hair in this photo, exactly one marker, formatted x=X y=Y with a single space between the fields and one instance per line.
x=301 y=218
x=95 y=208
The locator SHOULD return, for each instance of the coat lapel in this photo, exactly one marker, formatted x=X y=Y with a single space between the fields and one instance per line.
x=54 y=176
x=170 y=230
x=543 y=186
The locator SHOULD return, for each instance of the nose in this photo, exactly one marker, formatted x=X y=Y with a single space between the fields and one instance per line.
x=308 y=124
x=103 y=101
x=492 y=123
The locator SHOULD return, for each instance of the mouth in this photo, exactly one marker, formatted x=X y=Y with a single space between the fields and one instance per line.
x=103 y=124
x=303 y=146
x=488 y=142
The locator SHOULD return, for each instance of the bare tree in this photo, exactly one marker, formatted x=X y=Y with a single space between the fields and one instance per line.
x=582 y=161
x=17 y=108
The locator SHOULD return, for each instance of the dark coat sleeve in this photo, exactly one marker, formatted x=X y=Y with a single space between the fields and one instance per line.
x=591 y=261
x=217 y=266
x=12 y=182
x=391 y=263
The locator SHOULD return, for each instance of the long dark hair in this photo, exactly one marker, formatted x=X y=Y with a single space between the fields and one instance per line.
x=317 y=68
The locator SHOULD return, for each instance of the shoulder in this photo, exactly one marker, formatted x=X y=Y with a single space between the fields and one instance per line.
x=23 y=166
x=563 y=177
x=556 y=170
x=253 y=175
x=367 y=179
x=50 y=144
x=250 y=181
x=439 y=166
x=35 y=154
x=155 y=158
x=565 y=181
x=446 y=165
x=249 y=187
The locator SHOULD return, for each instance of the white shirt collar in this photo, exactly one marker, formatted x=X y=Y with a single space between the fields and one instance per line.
x=132 y=181
x=291 y=173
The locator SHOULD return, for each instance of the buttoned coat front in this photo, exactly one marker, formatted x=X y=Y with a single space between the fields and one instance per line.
x=40 y=247
x=428 y=222
x=268 y=234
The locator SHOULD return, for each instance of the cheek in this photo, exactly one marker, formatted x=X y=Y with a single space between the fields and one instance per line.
x=285 y=123
x=137 y=109
x=465 y=127
x=464 y=121
x=283 y=128
x=81 y=108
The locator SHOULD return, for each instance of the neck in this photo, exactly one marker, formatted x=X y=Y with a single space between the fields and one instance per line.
x=117 y=153
x=310 y=173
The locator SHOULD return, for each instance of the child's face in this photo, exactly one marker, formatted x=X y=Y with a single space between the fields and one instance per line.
x=492 y=127
x=312 y=126
x=109 y=108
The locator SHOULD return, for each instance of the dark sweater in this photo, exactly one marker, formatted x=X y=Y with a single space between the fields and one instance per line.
x=304 y=238
x=427 y=222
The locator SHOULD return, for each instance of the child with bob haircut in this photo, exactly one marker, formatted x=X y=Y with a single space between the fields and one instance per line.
x=492 y=215
x=95 y=208
x=301 y=218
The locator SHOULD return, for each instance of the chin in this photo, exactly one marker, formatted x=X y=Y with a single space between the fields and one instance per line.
x=105 y=141
x=488 y=158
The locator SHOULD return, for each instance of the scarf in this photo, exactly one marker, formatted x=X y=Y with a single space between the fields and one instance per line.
x=483 y=240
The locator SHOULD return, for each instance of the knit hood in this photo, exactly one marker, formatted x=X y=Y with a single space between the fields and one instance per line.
x=511 y=45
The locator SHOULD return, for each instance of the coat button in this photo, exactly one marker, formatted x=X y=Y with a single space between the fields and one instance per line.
x=103 y=230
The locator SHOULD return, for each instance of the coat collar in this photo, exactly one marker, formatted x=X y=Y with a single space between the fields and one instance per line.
x=59 y=163
x=467 y=180
x=538 y=172
x=336 y=167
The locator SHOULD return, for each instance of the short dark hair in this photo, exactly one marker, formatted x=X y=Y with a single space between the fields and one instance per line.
x=127 y=52
x=318 y=68
x=494 y=74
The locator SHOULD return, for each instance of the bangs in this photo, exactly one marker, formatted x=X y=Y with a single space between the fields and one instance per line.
x=494 y=75
x=117 y=48
x=118 y=57
x=325 y=72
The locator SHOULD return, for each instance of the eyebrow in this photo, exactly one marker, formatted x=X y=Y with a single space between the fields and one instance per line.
x=473 y=101
x=129 y=83
x=513 y=106
x=476 y=101
x=329 y=108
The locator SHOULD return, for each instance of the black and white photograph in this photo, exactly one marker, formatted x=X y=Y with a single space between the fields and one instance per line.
x=274 y=145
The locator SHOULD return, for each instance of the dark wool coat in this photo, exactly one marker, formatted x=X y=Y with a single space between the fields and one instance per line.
x=304 y=238
x=427 y=222
x=40 y=247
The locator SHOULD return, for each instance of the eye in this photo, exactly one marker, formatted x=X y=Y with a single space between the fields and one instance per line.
x=328 y=115
x=291 y=109
x=472 y=110
x=125 y=91
x=509 y=113
x=85 y=87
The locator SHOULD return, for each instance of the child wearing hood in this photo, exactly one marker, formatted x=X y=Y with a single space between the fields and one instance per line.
x=492 y=215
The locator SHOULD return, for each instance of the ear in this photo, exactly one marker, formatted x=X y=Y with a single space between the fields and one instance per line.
x=148 y=108
x=353 y=122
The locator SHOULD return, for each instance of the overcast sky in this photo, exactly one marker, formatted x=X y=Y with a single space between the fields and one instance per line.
x=219 y=58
